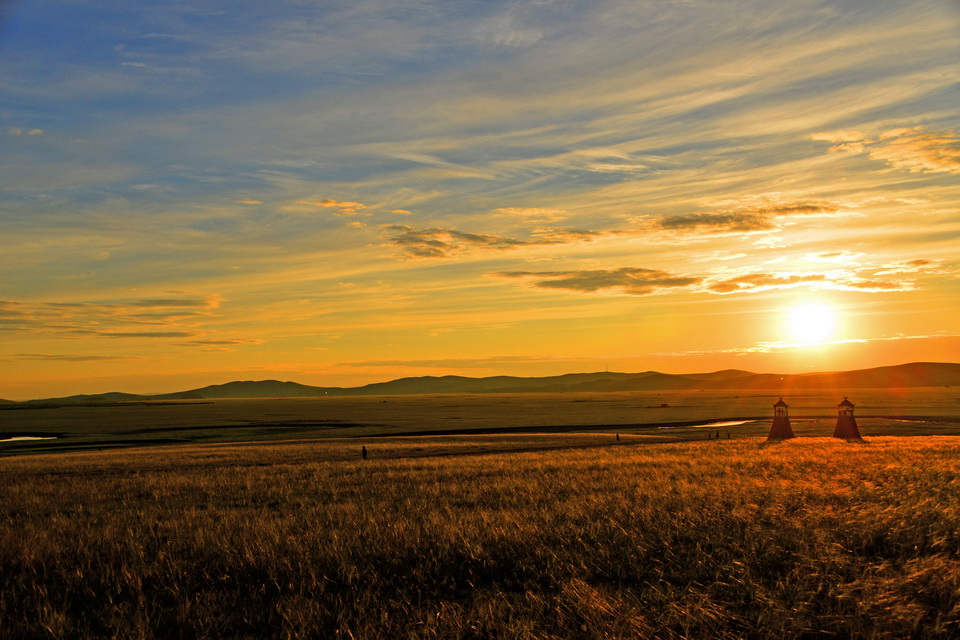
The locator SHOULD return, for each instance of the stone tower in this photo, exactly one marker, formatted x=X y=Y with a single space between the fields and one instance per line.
x=846 y=423
x=781 y=429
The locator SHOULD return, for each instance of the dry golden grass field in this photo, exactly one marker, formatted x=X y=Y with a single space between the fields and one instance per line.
x=277 y=529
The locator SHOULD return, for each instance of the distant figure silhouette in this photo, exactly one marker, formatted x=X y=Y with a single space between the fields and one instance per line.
x=718 y=434
x=728 y=435
x=363 y=452
x=618 y=437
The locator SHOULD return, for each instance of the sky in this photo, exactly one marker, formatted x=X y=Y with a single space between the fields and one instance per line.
x=339 y=192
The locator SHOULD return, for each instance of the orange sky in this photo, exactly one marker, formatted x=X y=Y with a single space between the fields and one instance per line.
x=343 y=194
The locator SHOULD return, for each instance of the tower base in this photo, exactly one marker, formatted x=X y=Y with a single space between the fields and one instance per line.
x=847 y=428
x=781 y=429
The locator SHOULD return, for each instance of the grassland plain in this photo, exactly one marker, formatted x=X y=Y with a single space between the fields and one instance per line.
x=456 y=537
x=78 y=427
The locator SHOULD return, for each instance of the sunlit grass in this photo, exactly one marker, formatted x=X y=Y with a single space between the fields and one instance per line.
x=698 y=539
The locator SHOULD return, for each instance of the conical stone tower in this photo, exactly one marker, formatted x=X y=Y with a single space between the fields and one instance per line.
x=846 y=423
x=781 y=429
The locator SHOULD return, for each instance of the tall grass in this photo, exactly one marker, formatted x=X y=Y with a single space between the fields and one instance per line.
x=723 y=539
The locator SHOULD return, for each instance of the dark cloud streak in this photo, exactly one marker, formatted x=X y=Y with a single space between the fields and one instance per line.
x=71 y=358
x=631 y=281
x=440 y=242
x=722 y=221
x=757 y=281
x=161 y=317
x=749 y=220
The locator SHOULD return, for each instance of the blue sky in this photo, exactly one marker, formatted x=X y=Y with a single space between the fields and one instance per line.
x=345 y=192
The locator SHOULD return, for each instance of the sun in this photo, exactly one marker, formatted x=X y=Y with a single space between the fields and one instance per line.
x=811 y=322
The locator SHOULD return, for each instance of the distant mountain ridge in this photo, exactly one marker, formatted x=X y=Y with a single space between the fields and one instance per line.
x=915 y=374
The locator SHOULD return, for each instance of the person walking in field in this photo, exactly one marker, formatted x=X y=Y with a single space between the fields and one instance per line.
x=363 y=452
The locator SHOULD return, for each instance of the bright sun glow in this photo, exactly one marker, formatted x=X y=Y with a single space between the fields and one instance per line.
x=811 y=322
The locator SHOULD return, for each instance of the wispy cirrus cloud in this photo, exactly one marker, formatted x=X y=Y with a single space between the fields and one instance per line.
x=914 y=149
x=637 y=281
x=220 y=345
x=20 y=131
x=763 y=282
x=439 y=242
x=948 y=342
x=784 y=346
x=749 y=215
x=852 y=140
x=534 y=214
x=227 y=342
x=835 y=257
x=918 y=150
x=174 y=317
x=839 y=281
x=203 y=302
x=556 y=235
x=849 y=272
x=136 y=334
x=341 y=208
x=919 y=265
x=449 y=363
x=60 y=357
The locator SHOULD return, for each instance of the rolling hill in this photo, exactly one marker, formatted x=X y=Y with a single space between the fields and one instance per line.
x=916 y=374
